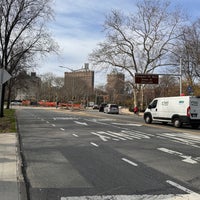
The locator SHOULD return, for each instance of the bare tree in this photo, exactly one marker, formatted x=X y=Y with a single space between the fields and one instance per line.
x=188 y=49
x=22 y=32
x=51 y=87
x=139 y=42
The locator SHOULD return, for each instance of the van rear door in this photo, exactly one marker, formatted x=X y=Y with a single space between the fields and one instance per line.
x=194 y=108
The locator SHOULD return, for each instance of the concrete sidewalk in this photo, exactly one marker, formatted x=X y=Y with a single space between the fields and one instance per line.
x=9 y=167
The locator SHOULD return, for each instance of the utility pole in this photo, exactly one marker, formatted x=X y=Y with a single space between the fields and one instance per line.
x=180 y=76
x=73 y=83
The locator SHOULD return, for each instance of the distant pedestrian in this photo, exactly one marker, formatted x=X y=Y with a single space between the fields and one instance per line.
x=57 y=104
x=136 y=110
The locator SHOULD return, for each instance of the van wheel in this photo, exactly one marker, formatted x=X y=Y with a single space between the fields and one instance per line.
x=195 y=126
x=148 y=119
x=177 y=123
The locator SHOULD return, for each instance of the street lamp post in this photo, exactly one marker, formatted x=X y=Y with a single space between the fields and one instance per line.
x=180 y=76
x=73 y=83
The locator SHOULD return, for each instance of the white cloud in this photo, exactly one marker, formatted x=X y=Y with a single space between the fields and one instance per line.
x=78 y=29
x=74 y=53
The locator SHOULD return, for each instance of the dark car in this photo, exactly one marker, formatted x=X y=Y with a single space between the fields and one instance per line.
x=102 y=106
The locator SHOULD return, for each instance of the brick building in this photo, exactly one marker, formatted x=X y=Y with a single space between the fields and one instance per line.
x=79 y=84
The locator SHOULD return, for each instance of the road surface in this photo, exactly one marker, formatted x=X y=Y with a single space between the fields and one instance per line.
x=90 y=155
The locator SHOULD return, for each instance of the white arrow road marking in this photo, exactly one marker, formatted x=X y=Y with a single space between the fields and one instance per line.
x=127 y=124
x=102 y=137
x=130 y=162
x=187 y=159
x=81 y=123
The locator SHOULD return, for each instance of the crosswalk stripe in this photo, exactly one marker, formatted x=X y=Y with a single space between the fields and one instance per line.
x=192 y=196
x=123 y=135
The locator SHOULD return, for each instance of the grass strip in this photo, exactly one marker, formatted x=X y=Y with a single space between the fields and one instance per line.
x=8 y=122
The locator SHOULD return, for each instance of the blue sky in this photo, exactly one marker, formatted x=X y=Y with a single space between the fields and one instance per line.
x=78 y=29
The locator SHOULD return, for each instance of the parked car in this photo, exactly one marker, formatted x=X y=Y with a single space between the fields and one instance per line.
x=101 y=107
x=111 y=109
x=94 y=107
x=16 y=102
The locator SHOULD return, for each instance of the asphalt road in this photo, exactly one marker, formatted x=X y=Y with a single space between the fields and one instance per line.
x=90 y=155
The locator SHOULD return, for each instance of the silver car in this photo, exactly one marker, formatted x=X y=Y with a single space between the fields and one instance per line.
x=111 y=109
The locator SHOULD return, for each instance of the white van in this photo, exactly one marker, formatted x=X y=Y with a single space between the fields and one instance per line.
x=178 y=110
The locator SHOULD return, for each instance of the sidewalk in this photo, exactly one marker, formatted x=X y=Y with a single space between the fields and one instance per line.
x=9 y=167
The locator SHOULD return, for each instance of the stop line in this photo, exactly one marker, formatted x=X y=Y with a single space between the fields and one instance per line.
x=131 y=124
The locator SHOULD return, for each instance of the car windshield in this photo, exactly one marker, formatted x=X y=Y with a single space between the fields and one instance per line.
x=114 y=106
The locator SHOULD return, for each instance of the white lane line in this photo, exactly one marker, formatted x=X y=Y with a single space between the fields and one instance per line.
x=187 y=159
x=130 y=162
x=81 y=123
x=62 y=129
x=115 y=139
x=94 y=144
x=75 y=135
x=181 y=187
x=101 y=120
x=127 y=124
x=65 y=118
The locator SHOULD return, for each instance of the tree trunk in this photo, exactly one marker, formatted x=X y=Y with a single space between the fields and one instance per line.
x=2 y=101
x=135 y=99
x=9 y=94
